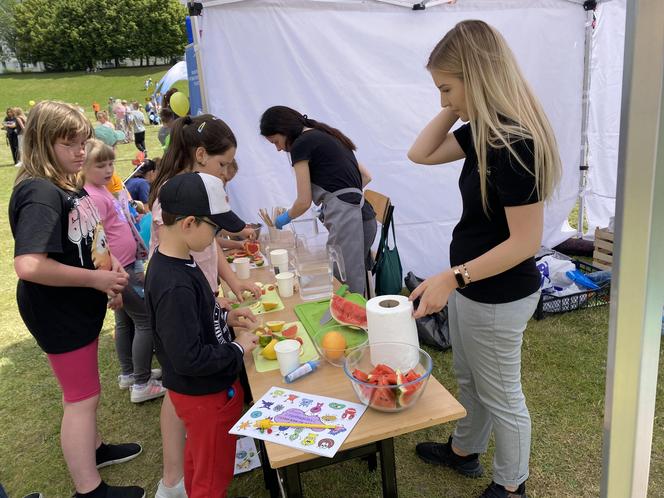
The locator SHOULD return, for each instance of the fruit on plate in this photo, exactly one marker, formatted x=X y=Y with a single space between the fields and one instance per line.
x=269 y=306
x=264 y=340
x=333 y=344
x=290 y=332
x=347 y=312
x=299 y=339
x=230 y=258
x=270 y=288
x=275 y=326
x=259 y=262
x=268 y=352
x=240 y=254
x=251 y=247
x=247 y=294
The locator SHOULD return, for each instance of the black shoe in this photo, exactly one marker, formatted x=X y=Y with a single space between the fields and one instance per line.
x=442 y=454
x=109 y=454
x=106 y=491
x=497 y=491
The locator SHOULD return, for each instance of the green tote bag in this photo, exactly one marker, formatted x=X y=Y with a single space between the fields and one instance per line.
x=387 y=269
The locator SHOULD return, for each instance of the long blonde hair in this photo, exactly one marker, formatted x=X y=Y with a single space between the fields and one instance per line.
x=501 y=106
x=48 y=121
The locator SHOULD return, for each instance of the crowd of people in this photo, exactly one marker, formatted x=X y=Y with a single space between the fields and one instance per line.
x=81 y=244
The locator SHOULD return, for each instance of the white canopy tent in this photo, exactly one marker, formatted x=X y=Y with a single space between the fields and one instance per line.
x=359 y=66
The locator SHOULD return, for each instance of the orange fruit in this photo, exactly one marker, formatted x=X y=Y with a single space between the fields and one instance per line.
x=333 y=344
x=269 y=306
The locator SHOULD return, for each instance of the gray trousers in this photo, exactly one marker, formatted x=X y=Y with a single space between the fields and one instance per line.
x=486 y=348
x=133 y=331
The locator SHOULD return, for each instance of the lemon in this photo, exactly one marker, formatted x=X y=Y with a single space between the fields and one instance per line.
x=269 y=353
x=269 y=306
x=275 y=326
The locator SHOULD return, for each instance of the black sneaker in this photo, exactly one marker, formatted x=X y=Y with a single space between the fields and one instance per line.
x=497 y=491
x=110 y=454
x=442 y=454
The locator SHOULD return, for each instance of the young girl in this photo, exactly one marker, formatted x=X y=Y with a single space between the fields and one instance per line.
x=511 y=167
x=327 y=172
x=139 y=183
x=133 y=333
x=202 y=144
x=66 y=274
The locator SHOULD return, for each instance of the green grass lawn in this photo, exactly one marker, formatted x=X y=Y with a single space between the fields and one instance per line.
x=564 y=359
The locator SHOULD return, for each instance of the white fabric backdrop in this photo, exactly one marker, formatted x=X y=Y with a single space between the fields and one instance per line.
x=604 y=120
x=359 y=66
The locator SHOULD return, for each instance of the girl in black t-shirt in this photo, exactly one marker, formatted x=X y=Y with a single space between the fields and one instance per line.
x=511 y=167
x=328 y=174
x=11 y=128
x=66 y=273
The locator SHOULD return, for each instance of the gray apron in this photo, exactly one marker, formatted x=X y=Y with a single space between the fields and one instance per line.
x=353 y=236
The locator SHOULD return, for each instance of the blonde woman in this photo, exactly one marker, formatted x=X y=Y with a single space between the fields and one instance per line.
x=511 y=167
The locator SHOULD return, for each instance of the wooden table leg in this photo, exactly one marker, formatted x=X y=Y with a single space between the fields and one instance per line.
x=292 y=483
x=388 y=468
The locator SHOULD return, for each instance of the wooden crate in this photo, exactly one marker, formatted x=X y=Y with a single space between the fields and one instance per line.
x=603 y=253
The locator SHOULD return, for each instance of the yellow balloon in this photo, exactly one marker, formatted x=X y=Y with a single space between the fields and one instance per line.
x=31 y=103
x=180 y=104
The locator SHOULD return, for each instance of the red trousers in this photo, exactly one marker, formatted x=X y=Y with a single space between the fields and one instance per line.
x=209 y=454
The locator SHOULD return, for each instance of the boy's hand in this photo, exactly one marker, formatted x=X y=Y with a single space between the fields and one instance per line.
x=247 y=340
x=238 y=287
x=241 y=317
x=225 y=303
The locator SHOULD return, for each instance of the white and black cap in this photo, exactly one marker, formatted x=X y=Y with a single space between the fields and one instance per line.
x=199 y=194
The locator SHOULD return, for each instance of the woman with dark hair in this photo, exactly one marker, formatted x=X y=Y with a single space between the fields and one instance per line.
x=328 y=174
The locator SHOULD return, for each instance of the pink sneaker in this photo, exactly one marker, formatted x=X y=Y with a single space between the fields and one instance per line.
x=150 y=390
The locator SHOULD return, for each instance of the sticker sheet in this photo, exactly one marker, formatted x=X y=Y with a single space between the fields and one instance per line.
x=246 y=455
x=281 y=405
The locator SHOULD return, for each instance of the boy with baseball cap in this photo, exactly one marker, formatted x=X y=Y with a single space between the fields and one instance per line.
x=199 y=353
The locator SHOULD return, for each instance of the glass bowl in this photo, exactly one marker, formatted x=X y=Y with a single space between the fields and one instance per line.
x=388 y=376
x=353 y=338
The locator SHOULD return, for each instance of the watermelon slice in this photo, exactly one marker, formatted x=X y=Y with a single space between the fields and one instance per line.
x=384 y=397
x=251 y=248
x=347 y=312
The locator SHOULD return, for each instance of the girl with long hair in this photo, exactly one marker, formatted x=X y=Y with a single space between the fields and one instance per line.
x=511 y=167
x=67 y=276
x=327 y=173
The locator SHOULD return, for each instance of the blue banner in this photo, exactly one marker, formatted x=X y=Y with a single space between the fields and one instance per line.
x=195 y=101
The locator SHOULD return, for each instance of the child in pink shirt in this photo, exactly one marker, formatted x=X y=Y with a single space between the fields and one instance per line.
x=133 y=332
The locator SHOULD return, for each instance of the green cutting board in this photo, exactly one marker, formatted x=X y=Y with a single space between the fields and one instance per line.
x=310 y=314
x=308 y=348
x=256 y=306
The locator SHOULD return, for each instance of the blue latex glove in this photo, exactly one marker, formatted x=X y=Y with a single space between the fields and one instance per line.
x=282 y=219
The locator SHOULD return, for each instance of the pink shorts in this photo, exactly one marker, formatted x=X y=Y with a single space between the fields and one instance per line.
x=77 y=372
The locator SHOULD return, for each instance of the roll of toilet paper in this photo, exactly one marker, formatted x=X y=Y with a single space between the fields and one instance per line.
x=390 y=319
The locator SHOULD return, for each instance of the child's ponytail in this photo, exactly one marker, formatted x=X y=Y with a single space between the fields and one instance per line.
x=187 y=134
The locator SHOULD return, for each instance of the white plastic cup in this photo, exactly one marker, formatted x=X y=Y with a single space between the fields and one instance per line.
x=242 y=268
x=285 y=283
x=279 y=260
x=288 y=355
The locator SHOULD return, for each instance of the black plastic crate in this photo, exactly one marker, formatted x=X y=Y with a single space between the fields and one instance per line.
x=551 y=305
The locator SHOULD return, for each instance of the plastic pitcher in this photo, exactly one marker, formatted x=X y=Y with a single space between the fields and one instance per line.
x=314 y=261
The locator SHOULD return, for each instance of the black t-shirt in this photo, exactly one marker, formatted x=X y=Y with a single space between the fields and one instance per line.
x=332 y=166
x=508 y=184
x=11 y=130
x=192 y=339
x=66 y=226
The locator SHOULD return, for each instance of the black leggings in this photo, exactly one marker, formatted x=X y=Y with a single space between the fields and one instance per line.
x=139 y=140
x=13 y=145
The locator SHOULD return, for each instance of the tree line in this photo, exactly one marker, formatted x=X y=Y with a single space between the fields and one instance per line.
x=80 y=34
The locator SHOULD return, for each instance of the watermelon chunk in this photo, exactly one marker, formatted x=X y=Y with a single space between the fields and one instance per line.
x=384 y=397
x=251 y=248
x=347 y=312
x=360 y=375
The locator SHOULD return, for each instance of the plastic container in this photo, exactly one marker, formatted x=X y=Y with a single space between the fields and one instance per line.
x=379 y=392
x=354 y=338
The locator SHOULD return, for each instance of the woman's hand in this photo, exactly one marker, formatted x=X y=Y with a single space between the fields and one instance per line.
x=238 y=287
x=241 y=317
x=433 y=293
